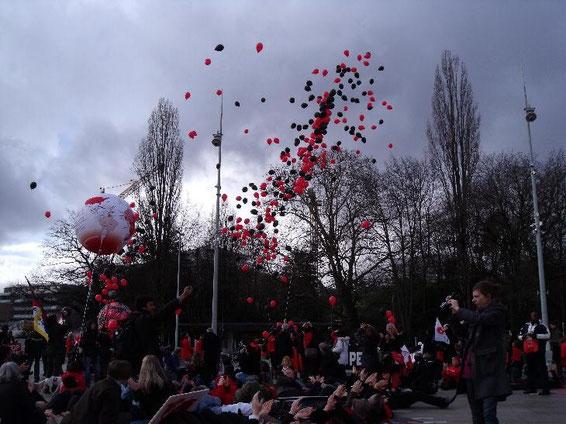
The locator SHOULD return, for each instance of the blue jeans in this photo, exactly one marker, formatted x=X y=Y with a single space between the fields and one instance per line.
x=484 y=411
x=92 y=364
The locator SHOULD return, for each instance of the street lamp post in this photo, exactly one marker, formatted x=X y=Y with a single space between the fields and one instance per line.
x=178 y=287
x=530 y=116
x=217 y=142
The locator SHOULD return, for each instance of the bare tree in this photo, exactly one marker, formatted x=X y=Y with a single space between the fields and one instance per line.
x=404 y=207
x=333 y=208
x=158 y=164
x=454 y=146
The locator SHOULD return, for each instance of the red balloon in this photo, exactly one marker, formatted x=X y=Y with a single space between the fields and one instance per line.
x=366 y=224
x=132 y=205
x=250 y=300
x=207 y=61
x=259 y=47
x=187 y=95
x=141 y=249
x=89 y=274
x=315 y=71
x=284 y=279
x=273 y=303
x=112 y=324
x=245 y=267
x=154 y=215
x=103 y=277
x=388 y=314
x=389 y=107
x=391 y=320
x=246 y=131
x=291 y=323
x=192 y=134
x=279 y=324
x=114 y=280
x=47 y=214
x=218 y=92
x=105 y=292
x=265 y=334
x=390 y=145
x=98 y=297
x=136 y=216
x=346 y=53
x=332 y=300
x=124 y=282
x=224 y=197
x=324 y=72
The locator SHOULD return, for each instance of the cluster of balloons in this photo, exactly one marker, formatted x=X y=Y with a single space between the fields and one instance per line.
x=312 y=154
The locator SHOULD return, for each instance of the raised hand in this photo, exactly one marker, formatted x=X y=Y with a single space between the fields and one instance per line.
x=357 y=387
x=304 y=413
x=295 y=406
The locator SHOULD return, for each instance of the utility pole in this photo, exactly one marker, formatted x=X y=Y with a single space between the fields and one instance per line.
x=530 y=116
x=217 y=142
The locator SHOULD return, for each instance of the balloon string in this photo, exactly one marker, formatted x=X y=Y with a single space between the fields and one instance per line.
x=287 y=302
x=85 y=310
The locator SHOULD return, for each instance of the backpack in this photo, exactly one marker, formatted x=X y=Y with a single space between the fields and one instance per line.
x=127 y=341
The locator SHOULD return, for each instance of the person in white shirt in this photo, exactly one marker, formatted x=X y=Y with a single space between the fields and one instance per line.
x=536 y=361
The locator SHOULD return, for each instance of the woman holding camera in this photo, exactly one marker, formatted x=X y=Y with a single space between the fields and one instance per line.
x=484 y=356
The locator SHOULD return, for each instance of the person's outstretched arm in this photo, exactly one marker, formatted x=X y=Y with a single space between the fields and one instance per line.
x=175 y=304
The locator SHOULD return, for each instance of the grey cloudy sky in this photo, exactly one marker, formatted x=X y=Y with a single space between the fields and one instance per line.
x=78 y=80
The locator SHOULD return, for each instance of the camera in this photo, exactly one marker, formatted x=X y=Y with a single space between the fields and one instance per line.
x=445 y=306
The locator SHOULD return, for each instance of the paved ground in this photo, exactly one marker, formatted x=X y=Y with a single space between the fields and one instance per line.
x=518 y=408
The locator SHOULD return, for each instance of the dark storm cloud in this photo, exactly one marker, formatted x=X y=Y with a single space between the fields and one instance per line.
x=79 y=80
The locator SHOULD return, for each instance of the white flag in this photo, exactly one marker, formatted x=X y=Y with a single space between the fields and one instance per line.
x=406 y=354
x=440 y=334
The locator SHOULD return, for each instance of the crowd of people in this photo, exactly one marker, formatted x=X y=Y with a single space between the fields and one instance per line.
x=289 y=373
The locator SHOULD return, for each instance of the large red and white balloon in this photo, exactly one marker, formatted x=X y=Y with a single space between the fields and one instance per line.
x=104 y=224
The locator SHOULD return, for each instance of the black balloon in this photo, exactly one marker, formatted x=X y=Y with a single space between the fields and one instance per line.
x=33 y=185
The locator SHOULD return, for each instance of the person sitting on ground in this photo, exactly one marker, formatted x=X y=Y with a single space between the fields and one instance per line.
x=63 y=401
x=17 y=404
x=75 y=370
x=172 y=362
x=151 y=390
x=286 y=384
x=102 y=401
x=225 y=389
x=451 y=374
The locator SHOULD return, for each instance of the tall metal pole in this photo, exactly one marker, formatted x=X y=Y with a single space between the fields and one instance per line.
x=217 y=141
x=178 y=287
x=530 y=116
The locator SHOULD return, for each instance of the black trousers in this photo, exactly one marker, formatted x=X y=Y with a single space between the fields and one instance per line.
x=537 y=374
x=401 y=400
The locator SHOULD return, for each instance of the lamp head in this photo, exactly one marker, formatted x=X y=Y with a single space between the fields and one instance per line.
x=530 y=114
x=217 y=139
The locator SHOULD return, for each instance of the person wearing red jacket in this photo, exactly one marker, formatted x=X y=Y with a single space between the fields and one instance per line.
x=451 y=374
x=225 y=389
x=75 y=370
x=186 y=348
x=198 y=347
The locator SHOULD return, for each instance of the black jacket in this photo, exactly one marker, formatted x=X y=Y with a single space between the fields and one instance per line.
x=17 y=405
x=100 y=404
x=487 y=342
x=34 y=345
